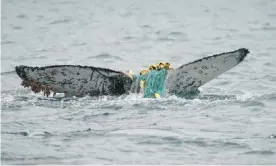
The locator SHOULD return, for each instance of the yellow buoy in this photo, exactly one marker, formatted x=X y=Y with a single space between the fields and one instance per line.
x=144 y=71
x=167 y=65
x=156 y=95
x=152 y=67
x=142 y=84
x=161 y=65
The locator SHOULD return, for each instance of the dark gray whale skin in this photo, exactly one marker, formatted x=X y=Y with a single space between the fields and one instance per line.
x=189 y=77
x=100 y=81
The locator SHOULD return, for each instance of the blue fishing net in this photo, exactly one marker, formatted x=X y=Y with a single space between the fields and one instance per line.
x=154 y=82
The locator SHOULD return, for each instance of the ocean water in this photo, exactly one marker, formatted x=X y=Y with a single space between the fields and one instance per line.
x=232 y=120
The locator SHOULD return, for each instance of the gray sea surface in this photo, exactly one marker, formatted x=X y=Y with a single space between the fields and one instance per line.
x=232 y=120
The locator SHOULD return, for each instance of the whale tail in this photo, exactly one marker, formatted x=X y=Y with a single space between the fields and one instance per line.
x=74 y=80
x=190 y=76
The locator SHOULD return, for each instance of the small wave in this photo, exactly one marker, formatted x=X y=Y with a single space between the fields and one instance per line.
x=172 y=36
x=39 y=16
x=218 y=38
x=176 y=33
x=232 y=144
x=6 y=106
x=176 y=58
x=222 y=82
x=128 y=37
x=268 y=64
x=54 y=9
x=252 y=103
x=272 y=15
x=22 y=16
x=146 y=26
x=269 y=28
x=197 y=142
x=89 y=117
x=263 y=29
x=64 y=3
x=165 y=39
x=272 y=136
x=29 y=160
x=30 y=134
x=7 y=42
x=261 y=152
x=207 y=10
x=7 y=73
x=105 y=159
x=17 y=27
x=106 y=56
x=227 y=9
x=146 y=132
x=158 y=32
x=68 y=136
x=42 y=50
x=126 y=14
x=269 y=96
x=23 y=133
x=227 y=29
x=216 y=97
x=43 y=28
x=153 y=140
x=269 y=78
x=216 y=143
x=79 y=44
x=63 y=21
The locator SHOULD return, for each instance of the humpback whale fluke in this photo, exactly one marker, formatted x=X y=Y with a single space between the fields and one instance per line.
x=81 y=80
x=190 y=76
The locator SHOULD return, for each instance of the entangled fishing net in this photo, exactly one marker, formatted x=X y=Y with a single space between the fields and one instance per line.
x=154 y=82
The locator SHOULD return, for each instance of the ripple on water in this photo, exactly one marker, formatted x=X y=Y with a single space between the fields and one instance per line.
x=22 y=16
x=7 y=42
x=268 y=64
x=62 y=21
x=105 y=56
x=216 y=143
x=7 y=73
x=17 y=27
x=176 y=33
x=11 y=106
x=271 y=96
x=272 y=136
x=253 y=103
x=265 y=27
x=79 y=44
x=128 y=37
x=261 y=152
x=147 y=133
x=90 y=117
x=155 y=140
x=146 y=26
x=270 y=78
x=43 y=134
x=228 y=29
x=65 y=2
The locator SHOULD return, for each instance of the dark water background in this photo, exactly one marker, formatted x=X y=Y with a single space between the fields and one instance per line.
x=232 y=121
